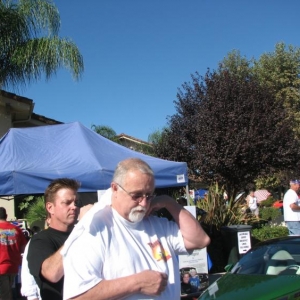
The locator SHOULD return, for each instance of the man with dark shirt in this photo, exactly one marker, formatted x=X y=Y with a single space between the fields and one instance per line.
x=44 y=258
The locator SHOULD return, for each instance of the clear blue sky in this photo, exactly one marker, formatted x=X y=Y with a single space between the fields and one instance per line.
x=137 y=53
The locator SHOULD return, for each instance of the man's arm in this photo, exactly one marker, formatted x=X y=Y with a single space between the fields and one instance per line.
x=194 y=236
x=52 y=267
x=294 y=206
x=148 y=282
x=43 y=260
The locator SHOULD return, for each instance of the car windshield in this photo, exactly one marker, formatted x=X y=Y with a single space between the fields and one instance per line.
x=279 y=257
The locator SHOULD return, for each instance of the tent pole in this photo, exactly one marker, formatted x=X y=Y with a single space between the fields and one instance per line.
x=187 y=195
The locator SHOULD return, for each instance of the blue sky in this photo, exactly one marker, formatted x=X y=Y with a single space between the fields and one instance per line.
x=137 y=54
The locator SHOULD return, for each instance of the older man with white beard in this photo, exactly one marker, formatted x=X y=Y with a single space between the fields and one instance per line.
x=122 y=251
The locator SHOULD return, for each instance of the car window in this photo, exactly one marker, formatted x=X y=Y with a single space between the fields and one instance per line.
x=273 y=258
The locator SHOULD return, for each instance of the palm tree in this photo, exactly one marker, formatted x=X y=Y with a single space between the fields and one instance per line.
x=30 y=45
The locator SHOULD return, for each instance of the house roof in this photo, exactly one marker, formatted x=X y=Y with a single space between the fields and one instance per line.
x=132 y=139
x=20 y=108
x=44 y=119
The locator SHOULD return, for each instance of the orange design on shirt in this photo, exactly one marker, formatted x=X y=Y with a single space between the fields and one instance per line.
x=159 y=252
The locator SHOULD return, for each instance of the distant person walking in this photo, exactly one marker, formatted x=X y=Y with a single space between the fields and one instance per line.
x=252 y=203
x=291 y=208
x=12 y=244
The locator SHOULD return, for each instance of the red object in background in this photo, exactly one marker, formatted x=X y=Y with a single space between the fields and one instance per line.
x=278 y=204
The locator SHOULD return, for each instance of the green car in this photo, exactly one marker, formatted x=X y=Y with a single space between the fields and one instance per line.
x=270 y=270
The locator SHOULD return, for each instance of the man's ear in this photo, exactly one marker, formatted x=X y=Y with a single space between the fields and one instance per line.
x=49 y=207
x=114 y=187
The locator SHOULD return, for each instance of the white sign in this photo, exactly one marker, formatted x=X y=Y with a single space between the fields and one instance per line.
x=191 y=209
x=197 y=259
x=180 y=178
x=244 y=241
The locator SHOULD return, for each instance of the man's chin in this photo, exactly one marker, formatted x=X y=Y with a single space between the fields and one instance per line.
x=136 y=217
x=73 y=218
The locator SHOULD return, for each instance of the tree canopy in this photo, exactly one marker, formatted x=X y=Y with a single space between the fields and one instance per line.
x=229 y=128
x=105 y=131
x=30 y=45
x=279 y=70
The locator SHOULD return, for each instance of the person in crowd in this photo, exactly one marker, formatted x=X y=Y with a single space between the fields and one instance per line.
x=291 y=208
x=29 y=287
x=187 y=287
x=12 y=245
x=252 y=203
x=44 y=258
x=194 y=280
x=124 y=251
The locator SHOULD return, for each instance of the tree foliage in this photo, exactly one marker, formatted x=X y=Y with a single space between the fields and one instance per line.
x=280 y=70
x=105 y=131
x=30 y=45
x=229 y=129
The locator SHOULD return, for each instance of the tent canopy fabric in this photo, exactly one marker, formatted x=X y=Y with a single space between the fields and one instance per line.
x=30 y=158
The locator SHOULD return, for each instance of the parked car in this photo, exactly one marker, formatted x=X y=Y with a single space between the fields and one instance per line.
x=270 y=270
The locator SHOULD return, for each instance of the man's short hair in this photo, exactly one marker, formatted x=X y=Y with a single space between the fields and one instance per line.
x=3 y=214
x=131 y=164
x=58 y=184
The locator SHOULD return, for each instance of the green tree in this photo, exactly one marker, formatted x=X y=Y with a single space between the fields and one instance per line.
x=280 y=70
x=229 y=129
x=30 y=45
x=236 y=64
x=105 y=131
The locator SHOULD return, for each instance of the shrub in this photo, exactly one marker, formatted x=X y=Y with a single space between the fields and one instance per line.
x=269 y=213
x=268 y=202
x=269 y=232
x=36 y=211
x=220 y=213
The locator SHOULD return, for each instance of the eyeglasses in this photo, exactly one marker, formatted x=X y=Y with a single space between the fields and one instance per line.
x=138 y=197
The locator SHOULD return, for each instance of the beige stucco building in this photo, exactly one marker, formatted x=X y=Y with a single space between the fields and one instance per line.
x=17 y=112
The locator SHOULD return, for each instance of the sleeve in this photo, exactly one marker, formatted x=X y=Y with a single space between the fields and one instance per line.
x=82 y=265
x=173 y=235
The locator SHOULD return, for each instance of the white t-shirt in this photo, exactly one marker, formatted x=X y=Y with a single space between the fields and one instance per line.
x=108 y=247
x=252 y=202
x=29 y=287
x=289 y=198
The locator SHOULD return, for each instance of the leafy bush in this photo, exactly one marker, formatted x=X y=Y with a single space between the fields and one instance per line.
x=36 y=211
x=269 y=213
x=220 y=213
x=269 y=232
x=268 y=202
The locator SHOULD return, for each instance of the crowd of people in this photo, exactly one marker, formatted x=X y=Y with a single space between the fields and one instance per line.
x=114 y=249
x=117 y=251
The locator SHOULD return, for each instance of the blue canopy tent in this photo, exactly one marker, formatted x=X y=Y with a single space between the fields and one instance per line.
x=31 y=157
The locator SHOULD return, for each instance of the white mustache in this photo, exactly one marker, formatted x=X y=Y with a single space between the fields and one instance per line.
x=139 y=209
